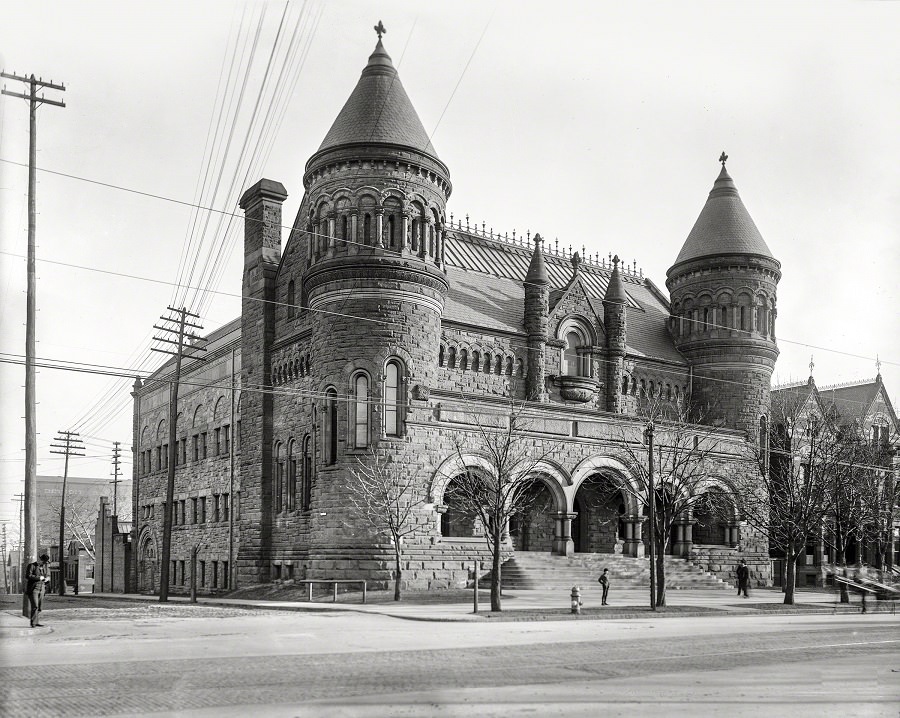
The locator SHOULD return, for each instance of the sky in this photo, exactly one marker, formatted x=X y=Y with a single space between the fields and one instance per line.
x=598 y=124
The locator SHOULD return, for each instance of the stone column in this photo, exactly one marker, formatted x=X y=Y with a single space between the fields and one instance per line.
x=354 y=231
x=331 y=233
x=379 y=228
x=634 y=545
x=404 y=232
x=423 y=240
x=563 y=545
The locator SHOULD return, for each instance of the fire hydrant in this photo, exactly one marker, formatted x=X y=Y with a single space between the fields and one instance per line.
x=576 y=600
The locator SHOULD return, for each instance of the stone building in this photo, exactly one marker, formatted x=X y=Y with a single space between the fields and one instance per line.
x=384 y=326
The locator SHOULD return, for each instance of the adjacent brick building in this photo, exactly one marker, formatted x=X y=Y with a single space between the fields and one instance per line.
x=384 y=325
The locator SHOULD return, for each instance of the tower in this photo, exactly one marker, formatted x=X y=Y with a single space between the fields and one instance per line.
x=374 y=283
x=723 y=292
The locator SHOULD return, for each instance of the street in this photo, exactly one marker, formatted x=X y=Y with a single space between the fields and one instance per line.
x=115 y=658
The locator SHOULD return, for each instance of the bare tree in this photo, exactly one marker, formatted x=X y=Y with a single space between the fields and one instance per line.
x=880 y=497
x=498 y=491
x=683 y=470
x=80 y=521
x=386 y=496
x=790 y=494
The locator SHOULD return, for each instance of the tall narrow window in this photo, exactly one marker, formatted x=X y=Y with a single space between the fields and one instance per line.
x=570 y=354
x=291 y=300
x=367 y=229
x=291 y=478
x=307 y=473
x=392 y=398
x=279 y=479
x=360 y=411
x=329 y=435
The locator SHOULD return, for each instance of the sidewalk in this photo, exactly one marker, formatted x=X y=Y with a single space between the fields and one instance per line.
x=528 y=605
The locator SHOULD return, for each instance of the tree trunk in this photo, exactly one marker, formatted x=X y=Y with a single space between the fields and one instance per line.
x=842 y=562
x=790 y=578
x=397 y=573
x=495 y=571
x=661 y=573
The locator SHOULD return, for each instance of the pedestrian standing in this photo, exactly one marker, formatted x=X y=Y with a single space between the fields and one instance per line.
x=604 y=581
x=37 y=578
x=743 y=577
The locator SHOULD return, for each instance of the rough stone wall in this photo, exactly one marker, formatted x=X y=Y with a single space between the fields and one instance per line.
x=458 y=342
x=206 y=387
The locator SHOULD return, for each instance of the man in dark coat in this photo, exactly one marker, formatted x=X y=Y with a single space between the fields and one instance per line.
x=37 y=576
x=743 y=577
x=604 y=581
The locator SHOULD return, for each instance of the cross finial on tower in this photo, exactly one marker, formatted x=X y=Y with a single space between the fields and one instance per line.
x=723 y=158
x=812 y=365
x=379 y=28
x=615 y=261
x=877 y=365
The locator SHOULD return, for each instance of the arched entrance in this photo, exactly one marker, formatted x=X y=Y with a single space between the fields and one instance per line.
x=712 y=515
x=599 y=506
x=455 y=521
x=147 y=568
x=533 y=529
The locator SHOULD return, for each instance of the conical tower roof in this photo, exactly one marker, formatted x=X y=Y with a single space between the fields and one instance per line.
x=379 y=111
x=537 y=270
x=615 y=290
x=724 y=226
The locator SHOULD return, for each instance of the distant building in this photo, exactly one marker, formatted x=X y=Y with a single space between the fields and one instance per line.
x=112 y=562
x=82 y=498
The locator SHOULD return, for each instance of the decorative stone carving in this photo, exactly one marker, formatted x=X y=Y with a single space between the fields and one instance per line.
x=577 y=388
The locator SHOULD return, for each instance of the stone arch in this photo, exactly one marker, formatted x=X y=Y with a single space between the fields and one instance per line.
x=452 y=467
x=147 y=560
x=219 y=409
x=197 y=420
x=161 y=430
x=614 y=468
x=145 y=436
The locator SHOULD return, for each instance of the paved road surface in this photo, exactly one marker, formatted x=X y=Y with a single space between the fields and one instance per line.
x=206 y=661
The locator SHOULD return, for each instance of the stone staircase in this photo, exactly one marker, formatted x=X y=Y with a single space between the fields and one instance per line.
x=538 y=570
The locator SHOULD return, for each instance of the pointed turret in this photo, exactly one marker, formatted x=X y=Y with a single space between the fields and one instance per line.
x=537 y=312
x=614 y=319
x=723 y=289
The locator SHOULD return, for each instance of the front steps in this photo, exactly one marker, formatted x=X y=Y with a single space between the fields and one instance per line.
x=537 y=570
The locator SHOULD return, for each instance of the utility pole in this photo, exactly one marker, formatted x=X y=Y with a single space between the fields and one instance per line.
x=69 y=444
x=30 y=506
x=652 y=502
x=112 y=537
x=173 y=324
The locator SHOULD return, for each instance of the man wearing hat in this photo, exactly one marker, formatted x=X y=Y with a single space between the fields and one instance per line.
x=37 y=577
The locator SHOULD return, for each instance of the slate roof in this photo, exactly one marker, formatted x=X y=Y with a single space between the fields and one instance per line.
x=379 y=111
x=723 y=227
x=486 y=290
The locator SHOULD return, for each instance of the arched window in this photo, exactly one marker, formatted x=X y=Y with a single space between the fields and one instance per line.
x=329 y=433
x=463 y=359
x=498 y=365
x=476 y=360
x=278 y=488
x=509 y=366
x=392 y=231
x=624 y=384
x=392 y=398
x=451 y=358
x=360 y=411
x=367 y=229
x=345 y=229
x=291 y=487
x=414 y=239
x=291 y=300
x=488 y=361
x=306 y=488
x=441 y=355
x=575 y=354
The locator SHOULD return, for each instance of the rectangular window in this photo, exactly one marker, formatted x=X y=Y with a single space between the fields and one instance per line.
x=183 y=505
x=183 y=576
x=226 y=577
x=194 y=510
x=202 y=509
x=173 y=573
x=196 y=447
x=165 y=456
x=215 y=507
x=226 y=438
x=158 y=457
x=184 y=450
x=201 y=573
x=224 y=507
x=215 y=574
x=218 y=437
x=203 y=444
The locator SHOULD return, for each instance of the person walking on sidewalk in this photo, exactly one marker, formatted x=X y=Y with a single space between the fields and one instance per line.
x=743 y=577
x=604 y=581
x=37 y=577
